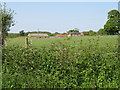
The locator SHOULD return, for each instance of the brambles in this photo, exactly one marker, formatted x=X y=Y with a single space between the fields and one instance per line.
x=63 y=64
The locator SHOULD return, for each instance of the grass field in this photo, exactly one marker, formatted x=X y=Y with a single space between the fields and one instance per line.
x=72 y=62
x=101 y=41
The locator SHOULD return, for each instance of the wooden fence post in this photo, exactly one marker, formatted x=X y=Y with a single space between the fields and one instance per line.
x=26 y=43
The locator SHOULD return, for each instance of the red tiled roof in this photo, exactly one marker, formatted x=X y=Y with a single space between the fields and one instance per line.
x=59 y=35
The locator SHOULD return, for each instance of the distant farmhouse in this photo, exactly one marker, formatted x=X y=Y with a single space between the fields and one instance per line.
x=40 y=35
x=76 y=34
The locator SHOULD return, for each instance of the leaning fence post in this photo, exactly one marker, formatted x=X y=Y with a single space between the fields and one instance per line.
x=26 y=42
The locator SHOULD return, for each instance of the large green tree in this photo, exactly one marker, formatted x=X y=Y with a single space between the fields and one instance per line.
x=112 y=26
x=6 y=21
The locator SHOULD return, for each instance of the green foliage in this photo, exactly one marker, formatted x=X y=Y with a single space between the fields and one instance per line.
x=7 y=21
x=64 y=64
x=86 y=33
x=112 y=26
x=113 y=14
x=102 y=32
x=56 y=33
x=22 y=33
x=91 y=33
x=74 y=30
x=13 y=35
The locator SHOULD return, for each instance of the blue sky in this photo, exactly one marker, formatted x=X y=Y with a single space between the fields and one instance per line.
x=60 y=16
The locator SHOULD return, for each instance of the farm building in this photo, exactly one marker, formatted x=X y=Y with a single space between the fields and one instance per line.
x=76 y=34
x=60 y=35
x=40 y=35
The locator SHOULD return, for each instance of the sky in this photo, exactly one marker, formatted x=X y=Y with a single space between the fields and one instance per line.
x=59 y=0
x=60 y=16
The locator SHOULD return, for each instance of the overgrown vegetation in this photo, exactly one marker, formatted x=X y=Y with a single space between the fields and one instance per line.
x=93 y=63
x=6 y=21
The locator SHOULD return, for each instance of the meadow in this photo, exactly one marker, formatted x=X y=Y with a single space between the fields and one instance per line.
x=70 y=62
x=77 y=41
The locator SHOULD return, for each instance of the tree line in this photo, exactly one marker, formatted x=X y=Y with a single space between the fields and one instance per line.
x=23 y=33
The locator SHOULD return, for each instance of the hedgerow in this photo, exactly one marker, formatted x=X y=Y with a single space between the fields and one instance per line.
x=61 y=66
